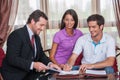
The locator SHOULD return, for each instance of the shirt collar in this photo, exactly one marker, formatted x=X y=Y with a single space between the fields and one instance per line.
x=64 y=31
x=101 y=41
x=29 y=31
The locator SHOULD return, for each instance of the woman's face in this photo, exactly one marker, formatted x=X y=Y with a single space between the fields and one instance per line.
x=69 y=21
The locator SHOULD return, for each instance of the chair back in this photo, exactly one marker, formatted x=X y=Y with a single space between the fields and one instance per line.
x=2 y=55
x=78 y=60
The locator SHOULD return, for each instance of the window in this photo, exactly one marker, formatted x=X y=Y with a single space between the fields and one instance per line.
x=58 y=7
x=25 y=7
x=84 y=8
x=106 y=9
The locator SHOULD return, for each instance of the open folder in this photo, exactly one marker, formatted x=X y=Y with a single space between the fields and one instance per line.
x=75 y=72
x=61 y=72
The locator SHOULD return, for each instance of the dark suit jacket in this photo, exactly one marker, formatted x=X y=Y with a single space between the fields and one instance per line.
x=19 y=55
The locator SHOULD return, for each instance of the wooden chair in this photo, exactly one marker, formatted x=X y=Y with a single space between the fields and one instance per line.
x=117 y=49
x=47 y=52
x=115 y=66
x=78 y=60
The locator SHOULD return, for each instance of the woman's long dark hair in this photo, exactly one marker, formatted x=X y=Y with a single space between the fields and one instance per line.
x=73 y=14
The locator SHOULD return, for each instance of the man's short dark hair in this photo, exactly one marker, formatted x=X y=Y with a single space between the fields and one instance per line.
x=36 y=15
x=96 y=17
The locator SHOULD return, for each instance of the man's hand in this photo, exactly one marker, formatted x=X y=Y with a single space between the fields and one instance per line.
x=51 y=65
x=83 y=67
x=39 y=66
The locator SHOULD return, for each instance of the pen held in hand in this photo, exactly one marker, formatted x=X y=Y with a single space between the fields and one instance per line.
x=53 y=69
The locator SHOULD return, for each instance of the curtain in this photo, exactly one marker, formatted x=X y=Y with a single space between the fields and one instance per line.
x=8 y=10
x=44 y=8
x=116 y=5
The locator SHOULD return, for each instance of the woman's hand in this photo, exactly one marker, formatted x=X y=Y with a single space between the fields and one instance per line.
x=67 y=67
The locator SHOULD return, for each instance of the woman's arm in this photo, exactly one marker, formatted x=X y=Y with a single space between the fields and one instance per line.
x=53 y=52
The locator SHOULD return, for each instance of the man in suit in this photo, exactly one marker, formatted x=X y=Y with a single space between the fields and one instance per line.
x=25 y=60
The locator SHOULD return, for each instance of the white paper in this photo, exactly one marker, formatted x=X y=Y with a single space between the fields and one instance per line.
x=61 y=72
x=96 y=72
x=74 y=72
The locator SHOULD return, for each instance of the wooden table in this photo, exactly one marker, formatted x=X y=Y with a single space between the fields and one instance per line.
x=79 y=77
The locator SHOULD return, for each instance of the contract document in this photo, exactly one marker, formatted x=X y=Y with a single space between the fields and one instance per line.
x=61 y=72
x=96 y=72
x=75 y=72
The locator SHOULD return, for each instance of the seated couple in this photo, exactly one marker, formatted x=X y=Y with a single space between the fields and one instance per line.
x=98 y=49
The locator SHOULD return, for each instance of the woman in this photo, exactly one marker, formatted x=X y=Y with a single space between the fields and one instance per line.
x=64 y=40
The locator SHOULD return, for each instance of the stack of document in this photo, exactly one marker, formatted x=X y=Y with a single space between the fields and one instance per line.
x=96 y=72
x=61 y=72
x=75 y=72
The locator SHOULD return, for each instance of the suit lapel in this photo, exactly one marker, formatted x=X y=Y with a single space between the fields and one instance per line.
x=26 y=35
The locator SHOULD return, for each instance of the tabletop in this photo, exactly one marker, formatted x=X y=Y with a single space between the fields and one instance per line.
x=56 y=76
